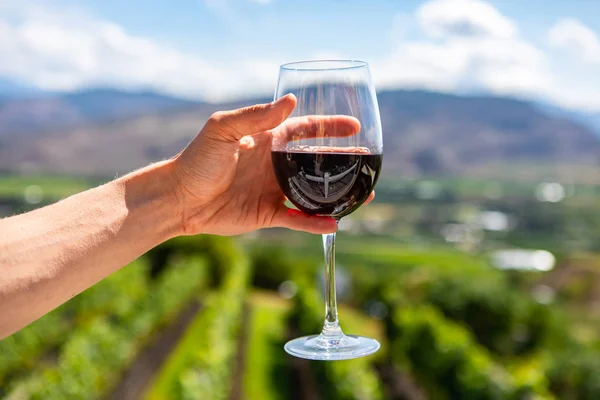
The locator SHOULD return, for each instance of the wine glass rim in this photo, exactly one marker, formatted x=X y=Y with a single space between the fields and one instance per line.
x=323 y=65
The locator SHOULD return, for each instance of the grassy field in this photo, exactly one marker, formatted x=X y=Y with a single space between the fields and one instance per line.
x=52 y=187
x=60 y=186
x=477 y=187
x=378 y=255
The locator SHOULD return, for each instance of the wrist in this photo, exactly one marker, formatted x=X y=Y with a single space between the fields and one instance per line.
x=152 y=197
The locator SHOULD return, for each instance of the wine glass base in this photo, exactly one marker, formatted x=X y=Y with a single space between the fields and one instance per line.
x=317 y=347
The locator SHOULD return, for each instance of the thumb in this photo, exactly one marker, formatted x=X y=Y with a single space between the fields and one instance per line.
x=299 y=221
x=231 y=126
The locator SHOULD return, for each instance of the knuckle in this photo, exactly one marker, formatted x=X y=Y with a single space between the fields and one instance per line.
x=217 y=125
x=217 y=118
x=254 y=108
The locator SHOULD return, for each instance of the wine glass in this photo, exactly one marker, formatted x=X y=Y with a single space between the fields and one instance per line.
x=330 y=173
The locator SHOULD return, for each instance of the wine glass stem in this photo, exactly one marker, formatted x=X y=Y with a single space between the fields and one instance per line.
x=331 y=327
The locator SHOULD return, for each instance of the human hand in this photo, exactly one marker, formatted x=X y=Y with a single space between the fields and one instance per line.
x=225 y=180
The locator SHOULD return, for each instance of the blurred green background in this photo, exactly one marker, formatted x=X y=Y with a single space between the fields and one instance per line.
x=459 y=311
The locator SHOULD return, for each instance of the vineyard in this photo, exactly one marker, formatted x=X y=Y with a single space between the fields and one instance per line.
x=201 y=318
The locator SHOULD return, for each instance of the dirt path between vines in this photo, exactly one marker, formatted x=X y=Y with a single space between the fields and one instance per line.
x=237 y=388
x=302 y=378
x=148 y=362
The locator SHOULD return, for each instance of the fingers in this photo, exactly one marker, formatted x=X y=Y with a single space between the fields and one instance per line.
x=298 y=221
x=370 y=198
x=315 y=126
x=231 y=126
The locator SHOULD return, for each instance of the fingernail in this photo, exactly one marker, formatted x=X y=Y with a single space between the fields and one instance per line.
x=327 y=220
x=281 y=99
x=294 y=213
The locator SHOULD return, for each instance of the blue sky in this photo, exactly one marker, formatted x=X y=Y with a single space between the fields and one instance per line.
x=223 y=49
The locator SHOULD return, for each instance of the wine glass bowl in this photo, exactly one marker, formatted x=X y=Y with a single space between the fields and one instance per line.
x=332 y=87
x=330 y=170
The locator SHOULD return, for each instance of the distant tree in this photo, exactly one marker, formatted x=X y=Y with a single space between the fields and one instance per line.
x=429 y=163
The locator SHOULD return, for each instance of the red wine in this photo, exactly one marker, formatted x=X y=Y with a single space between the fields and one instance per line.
x=327 y=181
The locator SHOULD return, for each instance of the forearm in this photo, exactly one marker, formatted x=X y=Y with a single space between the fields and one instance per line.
x=49 y=255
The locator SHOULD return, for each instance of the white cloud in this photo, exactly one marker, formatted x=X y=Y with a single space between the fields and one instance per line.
x=470 y=18
x=70 y=50
x=500 y=66
x=577 y=38
x=226 y=3
x=446 y=45
x=470 y=45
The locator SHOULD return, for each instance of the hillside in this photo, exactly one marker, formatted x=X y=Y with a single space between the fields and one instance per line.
x=33 y=115
x=424 y=133
x=432 y=133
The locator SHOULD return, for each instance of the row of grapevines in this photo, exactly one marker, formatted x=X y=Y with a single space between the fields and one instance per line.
x=94 y=356
x=447 y=360
x=202 y=364
x=344 y=380
x=115 y=296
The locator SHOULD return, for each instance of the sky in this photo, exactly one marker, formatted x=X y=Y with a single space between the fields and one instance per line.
x=216 y=50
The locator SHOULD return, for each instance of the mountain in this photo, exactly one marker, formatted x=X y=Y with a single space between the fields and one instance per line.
x=34 y=115
x=593 y=120
x=589 y=119
x=10 y=89
x=433 y=133
x=425 y=133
